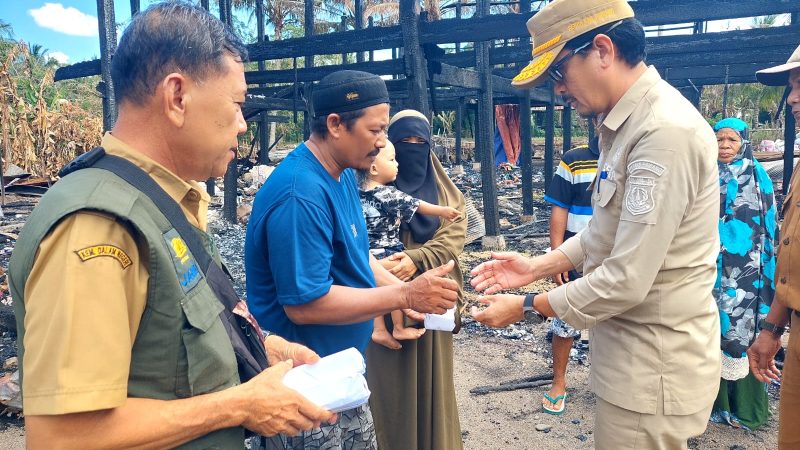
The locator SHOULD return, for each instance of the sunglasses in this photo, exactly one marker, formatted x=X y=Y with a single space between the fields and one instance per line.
x=555 y=72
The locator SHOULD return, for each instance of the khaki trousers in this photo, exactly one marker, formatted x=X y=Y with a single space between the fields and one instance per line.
x=616 y=428
x=789 y=431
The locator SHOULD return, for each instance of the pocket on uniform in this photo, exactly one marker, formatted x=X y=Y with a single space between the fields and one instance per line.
x=605 y=192
x=209 y=353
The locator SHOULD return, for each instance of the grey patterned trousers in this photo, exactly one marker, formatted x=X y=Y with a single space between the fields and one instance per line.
x=354 y=430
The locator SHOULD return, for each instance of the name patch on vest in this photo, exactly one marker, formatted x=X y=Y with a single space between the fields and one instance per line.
x=111 y=251
x=185 y=266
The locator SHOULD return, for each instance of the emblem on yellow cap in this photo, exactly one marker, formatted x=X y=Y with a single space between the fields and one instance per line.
x=536 y=67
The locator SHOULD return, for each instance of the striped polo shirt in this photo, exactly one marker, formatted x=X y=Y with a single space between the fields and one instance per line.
x=569 y=188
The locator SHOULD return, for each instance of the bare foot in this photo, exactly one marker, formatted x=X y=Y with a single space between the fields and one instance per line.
x=554 y=393
x=408 y=333
x=385 y=339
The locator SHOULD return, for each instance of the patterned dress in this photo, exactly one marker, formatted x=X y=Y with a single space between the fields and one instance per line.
x=745 y=283
x=385 y=208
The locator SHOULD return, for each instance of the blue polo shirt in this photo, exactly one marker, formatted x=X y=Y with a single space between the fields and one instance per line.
x=305 y=234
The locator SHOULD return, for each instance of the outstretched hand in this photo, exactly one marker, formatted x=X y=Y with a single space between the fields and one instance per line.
x=502 y=310
x=506 y=270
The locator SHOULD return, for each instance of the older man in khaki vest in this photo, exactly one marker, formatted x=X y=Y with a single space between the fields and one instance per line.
x=786 y=304
x=648 y=254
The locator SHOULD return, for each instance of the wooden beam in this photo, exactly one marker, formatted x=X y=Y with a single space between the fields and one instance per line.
x=108 y=45
x=268 y=103
x=416 y=68
x=662 y=12
x=526 y=155
x=78 y=70
x=458 y=127
x=135 y=7
x=386 y=67
x=549 y=138
x=358 y=8
x=486 y=132
x=375 y=38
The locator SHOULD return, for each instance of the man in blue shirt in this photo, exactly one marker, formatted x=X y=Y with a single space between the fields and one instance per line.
x=571 y=201
x=310 y=276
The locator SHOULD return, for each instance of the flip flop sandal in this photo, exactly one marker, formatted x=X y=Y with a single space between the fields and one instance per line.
x=555 y=400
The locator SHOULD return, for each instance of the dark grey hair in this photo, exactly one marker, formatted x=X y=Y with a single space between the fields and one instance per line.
x=173 y=36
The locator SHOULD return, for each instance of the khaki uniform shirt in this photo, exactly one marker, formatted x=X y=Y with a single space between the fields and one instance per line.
x=787 y=272
x=83 y=313
x=649 y=256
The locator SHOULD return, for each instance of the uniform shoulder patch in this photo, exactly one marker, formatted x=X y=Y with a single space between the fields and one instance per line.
x=105 y=250
x=639 y=197
x=643 y=164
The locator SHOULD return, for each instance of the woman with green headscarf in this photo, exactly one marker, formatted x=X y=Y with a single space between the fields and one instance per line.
x=413 y=398
x=745 y=271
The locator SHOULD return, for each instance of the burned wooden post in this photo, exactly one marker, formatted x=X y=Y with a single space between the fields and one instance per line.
x=526 y=157
x=526 y=149
x=788 y=148
x=416 y=68
x=566 y=128
x=371 y=24
x=549 y=132
x=457 y=129
x=229 y=202
x=591 y=130
x=358 y=8
x=204 y=4
x=308 y=21
x=108 y=44
x=343 y=27
x=263 y=132
x=493 y=239
x=135 y=7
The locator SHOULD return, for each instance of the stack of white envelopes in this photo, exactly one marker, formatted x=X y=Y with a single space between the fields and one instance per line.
x=335 y=382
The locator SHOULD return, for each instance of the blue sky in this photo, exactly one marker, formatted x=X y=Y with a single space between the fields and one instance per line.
x=68 y=28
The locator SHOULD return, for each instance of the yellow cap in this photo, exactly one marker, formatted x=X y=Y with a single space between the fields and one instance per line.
x=779 y=75
x=558 y=23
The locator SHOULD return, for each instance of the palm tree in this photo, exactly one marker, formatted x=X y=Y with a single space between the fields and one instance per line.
x=6 y=32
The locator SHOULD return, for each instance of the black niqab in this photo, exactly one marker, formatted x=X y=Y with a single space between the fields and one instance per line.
x=416 y=175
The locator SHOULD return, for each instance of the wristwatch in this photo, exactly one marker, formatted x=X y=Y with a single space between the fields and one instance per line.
x=531 y=314
x=772 y=328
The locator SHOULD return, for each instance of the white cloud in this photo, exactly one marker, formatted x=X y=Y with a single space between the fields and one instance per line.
x=61 y=57
x=71 y=21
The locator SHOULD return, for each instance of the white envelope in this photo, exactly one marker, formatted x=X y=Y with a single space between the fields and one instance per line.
x=336 y=382
x=441 y=322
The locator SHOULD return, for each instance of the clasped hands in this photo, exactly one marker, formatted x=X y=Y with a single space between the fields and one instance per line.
x=506 y=270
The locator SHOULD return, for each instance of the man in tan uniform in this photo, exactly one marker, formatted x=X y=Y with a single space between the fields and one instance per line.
x=786 y=304
x=648 y=253
x=180 y=86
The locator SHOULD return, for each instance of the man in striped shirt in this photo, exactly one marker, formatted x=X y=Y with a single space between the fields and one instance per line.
x=571 y=200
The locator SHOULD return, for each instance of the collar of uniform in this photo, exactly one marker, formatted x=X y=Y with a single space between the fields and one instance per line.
x=625 y=106
x=188 y=194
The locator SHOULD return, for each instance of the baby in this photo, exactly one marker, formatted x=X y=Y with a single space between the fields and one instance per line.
x=384 y=209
